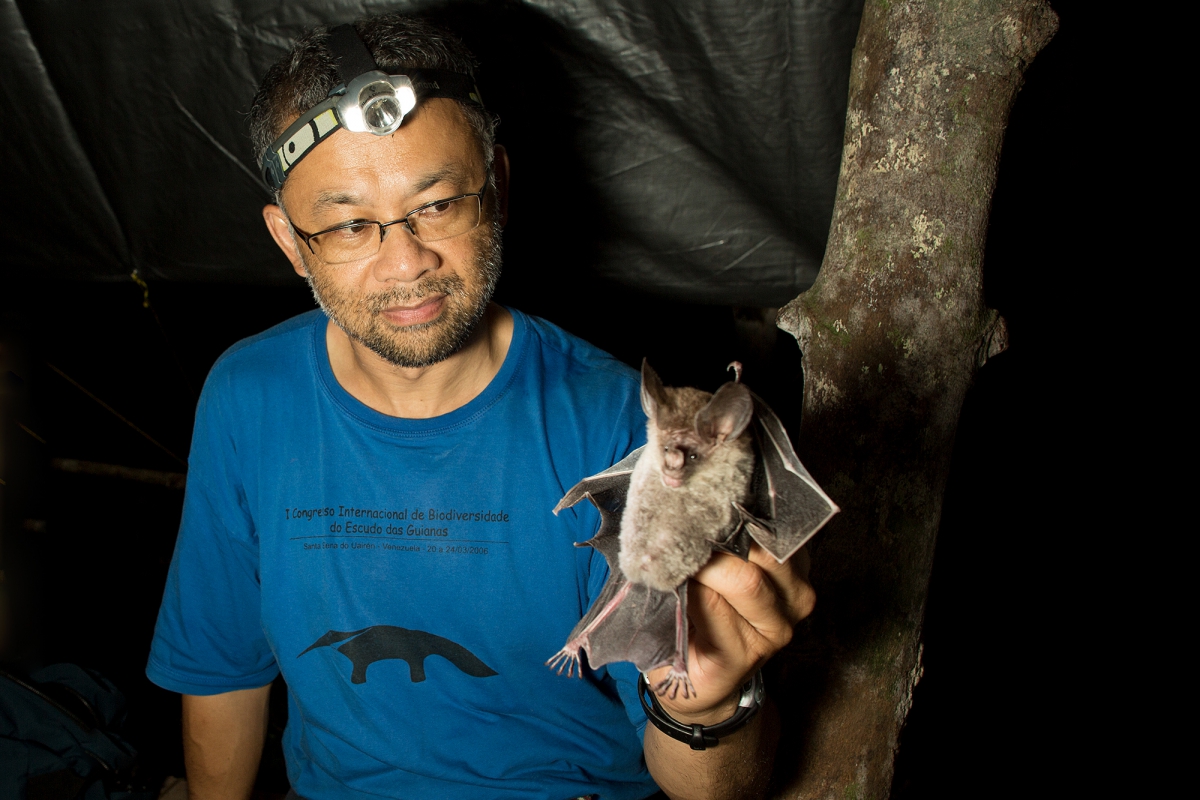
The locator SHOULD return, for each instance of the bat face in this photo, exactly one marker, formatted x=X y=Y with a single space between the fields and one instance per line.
x=686 y=425
x=680 y=453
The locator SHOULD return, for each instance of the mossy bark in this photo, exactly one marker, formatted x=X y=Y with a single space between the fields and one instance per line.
x=892 y=334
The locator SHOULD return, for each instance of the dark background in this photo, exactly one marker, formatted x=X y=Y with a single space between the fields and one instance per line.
x=84 y=558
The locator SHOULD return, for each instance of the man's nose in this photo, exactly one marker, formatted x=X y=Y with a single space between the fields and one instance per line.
x=402 y=256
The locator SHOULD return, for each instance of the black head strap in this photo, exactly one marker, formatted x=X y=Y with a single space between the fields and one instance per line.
x=353 y=59
x=429 y=83
x=350 y=54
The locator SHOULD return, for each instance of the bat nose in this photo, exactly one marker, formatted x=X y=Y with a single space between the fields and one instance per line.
x=674 y=458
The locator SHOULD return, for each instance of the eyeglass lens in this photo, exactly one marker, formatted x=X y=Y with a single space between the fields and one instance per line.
x=429 y=224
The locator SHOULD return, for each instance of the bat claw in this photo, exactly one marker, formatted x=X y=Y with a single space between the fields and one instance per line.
x=567 y=659
x=675 y=681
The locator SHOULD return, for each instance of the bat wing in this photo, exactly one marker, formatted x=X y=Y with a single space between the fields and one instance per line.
x=606 y=490
x=737 y=540
x=787 y=506
x=615 y=477
x=628 y=621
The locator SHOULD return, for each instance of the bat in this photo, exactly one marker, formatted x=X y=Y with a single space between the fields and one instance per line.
x=717 y=472
x=379 y=642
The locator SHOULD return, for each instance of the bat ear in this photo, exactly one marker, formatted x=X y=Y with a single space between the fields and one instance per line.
x=726 y=415
x=652 y=390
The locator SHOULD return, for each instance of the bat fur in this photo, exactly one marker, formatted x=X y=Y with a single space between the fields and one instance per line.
x=696 y=466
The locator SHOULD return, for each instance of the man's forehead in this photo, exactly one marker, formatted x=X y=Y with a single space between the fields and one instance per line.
x=455 y=174
x=437 y=146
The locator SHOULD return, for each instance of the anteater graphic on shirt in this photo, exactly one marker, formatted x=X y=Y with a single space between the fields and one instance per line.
x=379 y=642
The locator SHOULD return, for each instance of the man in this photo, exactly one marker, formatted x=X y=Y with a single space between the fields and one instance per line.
x=371 y=483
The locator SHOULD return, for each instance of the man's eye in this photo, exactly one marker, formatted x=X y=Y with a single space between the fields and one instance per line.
x=351 y=232
x=437 y=208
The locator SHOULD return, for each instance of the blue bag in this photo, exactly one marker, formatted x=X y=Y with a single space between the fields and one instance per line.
x=58 y=737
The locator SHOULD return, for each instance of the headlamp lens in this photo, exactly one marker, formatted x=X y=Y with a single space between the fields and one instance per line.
x=383 y=114
x=380 y=107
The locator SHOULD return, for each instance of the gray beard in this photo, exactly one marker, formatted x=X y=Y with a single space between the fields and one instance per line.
x=427 y=343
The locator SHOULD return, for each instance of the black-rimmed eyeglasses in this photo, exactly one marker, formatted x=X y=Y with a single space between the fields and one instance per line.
x=432 y=222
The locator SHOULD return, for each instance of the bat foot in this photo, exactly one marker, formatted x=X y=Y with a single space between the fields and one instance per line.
x=675 y=681
x=568 y=659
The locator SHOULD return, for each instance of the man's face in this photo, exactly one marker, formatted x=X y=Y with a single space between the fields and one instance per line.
x=413 y=303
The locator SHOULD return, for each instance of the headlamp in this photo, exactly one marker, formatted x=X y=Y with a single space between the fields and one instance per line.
x=376 y=103
x=367 y=101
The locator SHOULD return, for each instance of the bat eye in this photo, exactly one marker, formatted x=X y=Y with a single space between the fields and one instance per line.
x=691 y=456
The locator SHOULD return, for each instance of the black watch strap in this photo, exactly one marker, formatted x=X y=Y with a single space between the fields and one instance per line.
x=702 y=737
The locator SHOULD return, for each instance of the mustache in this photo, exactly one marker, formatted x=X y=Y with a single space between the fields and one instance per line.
x=404 y=295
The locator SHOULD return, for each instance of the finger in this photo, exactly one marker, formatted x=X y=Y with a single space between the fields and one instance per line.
x=790 y=579
x=802 y=561
x=717 y=628
x=751 y=597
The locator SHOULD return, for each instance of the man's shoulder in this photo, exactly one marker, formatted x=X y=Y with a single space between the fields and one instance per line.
x=590 y=400
x=280 y=353
x=286 y=340
x=577 y=357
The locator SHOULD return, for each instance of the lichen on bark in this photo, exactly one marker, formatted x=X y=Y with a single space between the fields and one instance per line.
x=892 y=333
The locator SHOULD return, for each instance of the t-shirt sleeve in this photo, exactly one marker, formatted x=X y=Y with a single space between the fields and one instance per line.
x=209 y=637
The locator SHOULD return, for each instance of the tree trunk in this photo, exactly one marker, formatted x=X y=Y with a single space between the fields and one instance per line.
x=892 y=333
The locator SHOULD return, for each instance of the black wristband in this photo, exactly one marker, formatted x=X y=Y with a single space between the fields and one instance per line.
x=702 y=737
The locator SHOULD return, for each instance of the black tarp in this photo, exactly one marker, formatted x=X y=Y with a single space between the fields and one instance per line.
x=685 y=149
x=1027 y=610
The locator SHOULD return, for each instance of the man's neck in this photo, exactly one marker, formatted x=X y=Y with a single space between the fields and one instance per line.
x=422 y=392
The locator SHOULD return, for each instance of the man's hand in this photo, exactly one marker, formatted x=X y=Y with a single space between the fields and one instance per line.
x=223 y=738
x=741 y=613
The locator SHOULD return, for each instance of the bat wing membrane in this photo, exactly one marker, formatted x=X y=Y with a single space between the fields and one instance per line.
x=615 y=476
x=787 y=507
x=640 y=628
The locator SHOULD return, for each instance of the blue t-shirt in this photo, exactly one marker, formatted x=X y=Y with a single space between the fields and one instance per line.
x=407 y=576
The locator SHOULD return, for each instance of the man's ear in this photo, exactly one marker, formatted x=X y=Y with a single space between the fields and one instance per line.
x=500 y=168
x=281 y=232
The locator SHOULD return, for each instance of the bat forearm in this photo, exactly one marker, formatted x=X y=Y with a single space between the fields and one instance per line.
x=739 y=767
